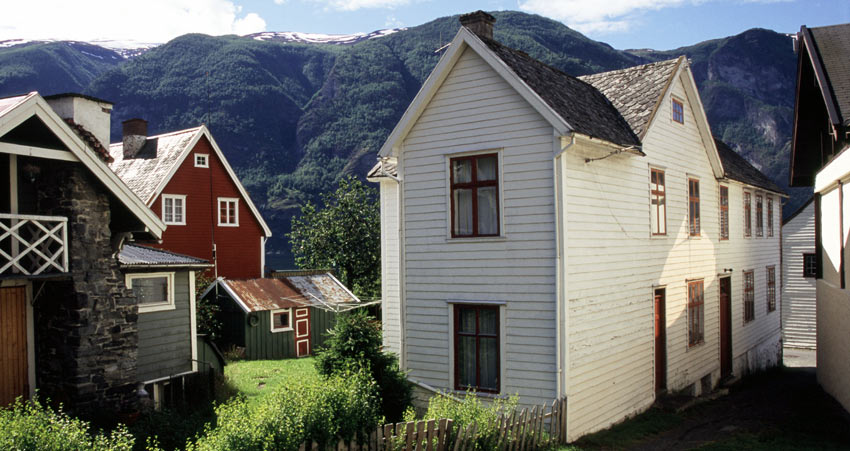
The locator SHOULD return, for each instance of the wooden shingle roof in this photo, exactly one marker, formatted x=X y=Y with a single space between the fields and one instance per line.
x=582 y=106
x=636 y=91
x=833 y=47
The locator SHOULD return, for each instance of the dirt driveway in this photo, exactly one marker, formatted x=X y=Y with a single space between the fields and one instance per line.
x=781 y=409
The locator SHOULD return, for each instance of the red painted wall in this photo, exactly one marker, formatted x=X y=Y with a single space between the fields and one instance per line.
x=238 y=248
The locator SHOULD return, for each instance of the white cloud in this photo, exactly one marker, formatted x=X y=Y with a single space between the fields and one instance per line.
x=393 y=22
x=354 y=5
x=138 y=20
x=608 y=16
x=279 y=2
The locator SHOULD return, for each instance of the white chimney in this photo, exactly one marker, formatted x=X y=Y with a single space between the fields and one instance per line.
x=91 y=113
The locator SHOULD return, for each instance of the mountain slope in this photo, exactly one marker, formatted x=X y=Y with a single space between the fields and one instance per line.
x=292 y=117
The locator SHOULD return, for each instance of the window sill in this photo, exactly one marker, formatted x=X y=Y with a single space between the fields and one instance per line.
x=696 y=346
x=480 y=394
x=228 y=225
x=288 y=329
x=149 y=308
x=174 y=223
x=477 y=239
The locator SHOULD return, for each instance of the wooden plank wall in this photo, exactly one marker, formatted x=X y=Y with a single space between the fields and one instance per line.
x=13 y=344
x=798 y=292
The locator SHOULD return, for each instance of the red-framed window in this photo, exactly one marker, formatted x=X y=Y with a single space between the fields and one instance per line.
x=476 y=345
x=769 y=216
x=678 y=111
x=810 y=265
x=693 y=207
x=759 y=215
x=696 y=312
x=475 y=195
x=749 y=297
x=724 y=212
x=771 y=288
x=658 y=202
x=748 y=218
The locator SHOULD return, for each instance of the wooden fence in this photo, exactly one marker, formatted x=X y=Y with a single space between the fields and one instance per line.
x=539 y=427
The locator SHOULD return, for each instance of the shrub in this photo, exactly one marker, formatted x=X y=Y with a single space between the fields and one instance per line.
x=470 y=410
x=355 y=342
x=31 y=425
x=343 y=406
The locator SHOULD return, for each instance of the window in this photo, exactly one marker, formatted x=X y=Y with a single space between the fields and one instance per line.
x=749 y=297
x=759 y=216
x=658 y=201
x=154 y=291
x=174 y=209
x=724 y=213
x=202 y=160
x=476 y=345
x=810 y=265
x=693 y=206
x=228 y=212
x=281 y=320
x=678 y=111
x=696 y=301
x=769 y=216
x=475 y=195
x=748 y=220
x=771 y=288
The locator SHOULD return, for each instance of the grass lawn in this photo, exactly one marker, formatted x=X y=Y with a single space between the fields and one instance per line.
x=258 y=378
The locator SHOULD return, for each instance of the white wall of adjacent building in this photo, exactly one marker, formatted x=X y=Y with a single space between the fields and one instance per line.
x=798 y=292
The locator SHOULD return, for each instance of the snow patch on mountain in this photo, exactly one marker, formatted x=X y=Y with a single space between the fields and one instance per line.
x=320 y=38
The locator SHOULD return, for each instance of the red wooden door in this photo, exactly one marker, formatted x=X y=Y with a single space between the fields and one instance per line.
x=13 y=344
x=725 y=326
x=660 y=341
x=302 y=332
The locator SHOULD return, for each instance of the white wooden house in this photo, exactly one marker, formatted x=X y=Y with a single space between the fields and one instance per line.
x=799 y=288
x=551 y=236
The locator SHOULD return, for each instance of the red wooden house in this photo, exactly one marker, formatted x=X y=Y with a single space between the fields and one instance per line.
x=185 y=179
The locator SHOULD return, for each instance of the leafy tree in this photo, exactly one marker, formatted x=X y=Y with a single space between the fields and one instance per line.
x=345 y=236
x=355 y=345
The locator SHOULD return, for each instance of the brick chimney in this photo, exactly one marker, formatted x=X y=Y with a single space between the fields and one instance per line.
x=135 y=132
x=89 y=112
x=479 y=23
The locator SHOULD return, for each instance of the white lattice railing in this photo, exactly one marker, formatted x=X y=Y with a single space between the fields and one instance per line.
x=32 y=245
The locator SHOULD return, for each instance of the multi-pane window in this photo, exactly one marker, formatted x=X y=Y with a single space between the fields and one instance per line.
x=476 y=344
x=174 y=209
x=693 y=207
x=228 y=211
x=810 y=265
x=658 y=201
x=748 y=219
x=202 y=160
x=769 y=216
x=759 y=216
x=678 y=111
x=475 y=195
x=281 y=320
x=696 y=315
x=749 y=297
x=724 y=213
x=771 y=288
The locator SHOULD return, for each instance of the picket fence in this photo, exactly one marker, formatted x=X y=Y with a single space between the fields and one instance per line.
x=539 y=427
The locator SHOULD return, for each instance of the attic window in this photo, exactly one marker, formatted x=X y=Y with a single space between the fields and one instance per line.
x=678 y=111
x=202 y=160
x=281 y=320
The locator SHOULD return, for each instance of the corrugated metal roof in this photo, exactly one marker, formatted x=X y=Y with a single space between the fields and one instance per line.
x=316 y=290
x=145 y=171
x=134 y=255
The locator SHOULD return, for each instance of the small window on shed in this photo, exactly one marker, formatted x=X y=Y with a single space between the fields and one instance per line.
x=281 y=320
x=678 y=111
x=154 y=291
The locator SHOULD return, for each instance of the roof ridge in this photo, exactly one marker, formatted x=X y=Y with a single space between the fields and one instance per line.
x=632 y=68
x=163 y=135
x=164 y=251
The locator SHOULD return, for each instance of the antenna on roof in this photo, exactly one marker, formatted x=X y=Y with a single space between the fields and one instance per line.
x=207 y=83
x=443 y=47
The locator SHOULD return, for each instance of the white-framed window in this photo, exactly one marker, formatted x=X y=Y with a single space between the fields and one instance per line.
x=174 y=209
x=202 y=160
x=154 y=291
x=281 y=320
x=228 y=211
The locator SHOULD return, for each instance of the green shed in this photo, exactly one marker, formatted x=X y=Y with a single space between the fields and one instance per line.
x=279 y=317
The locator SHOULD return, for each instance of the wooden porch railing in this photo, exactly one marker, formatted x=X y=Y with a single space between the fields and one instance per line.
x=32 y=245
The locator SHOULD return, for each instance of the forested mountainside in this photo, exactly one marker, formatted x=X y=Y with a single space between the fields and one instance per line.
x=292 y=117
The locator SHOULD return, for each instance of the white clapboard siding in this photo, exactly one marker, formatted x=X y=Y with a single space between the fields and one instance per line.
x=798 y=292
x=475 y=110
x=390 y=263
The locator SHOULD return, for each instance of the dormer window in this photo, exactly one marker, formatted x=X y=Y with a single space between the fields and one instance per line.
x=678 y=111
x=202 y=160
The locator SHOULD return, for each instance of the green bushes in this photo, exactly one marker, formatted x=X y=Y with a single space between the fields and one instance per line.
x=342 y=406
x=355 y=343
x=31 y=425
x=471 y=410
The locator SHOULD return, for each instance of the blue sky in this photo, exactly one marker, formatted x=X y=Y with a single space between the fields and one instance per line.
x=658 y=24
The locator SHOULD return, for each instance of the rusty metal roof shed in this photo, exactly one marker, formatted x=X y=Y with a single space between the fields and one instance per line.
x=312 y=290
